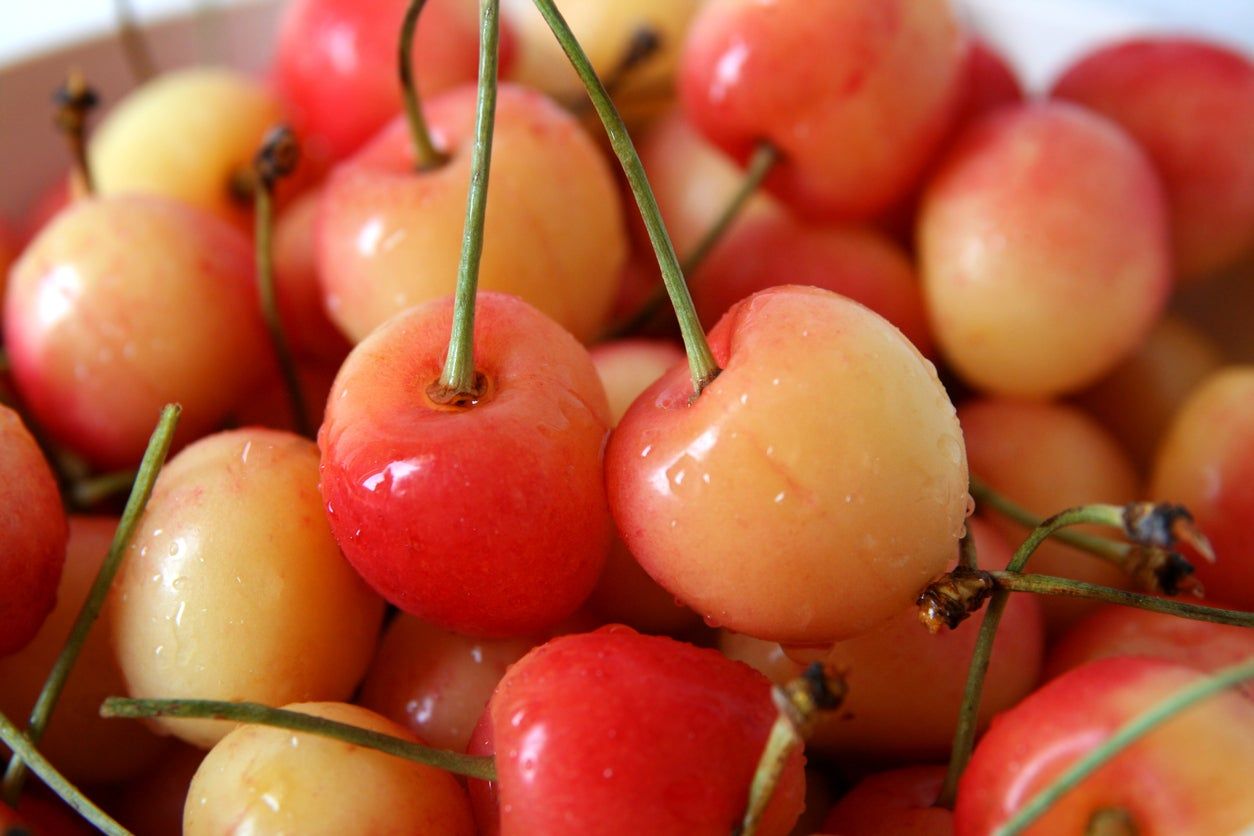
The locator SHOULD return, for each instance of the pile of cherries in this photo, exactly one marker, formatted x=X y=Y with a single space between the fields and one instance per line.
x=449 y=481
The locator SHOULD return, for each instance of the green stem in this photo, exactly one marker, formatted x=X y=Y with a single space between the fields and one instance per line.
x=968 y=714
x=780 y=744
x=700 y=358
x=87 y=493
x=459 y=384
x=425 y=152
x=764 y=158
x=967 y=556
x=985 y=495
x=22 y=748
x=1128 y=734
x=276 y=159
x=154 y=457
x=134 y=45
x=472 y=766
x=1064 y=587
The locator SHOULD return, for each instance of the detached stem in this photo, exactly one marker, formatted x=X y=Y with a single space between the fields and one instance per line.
x=459 y=384
x=1063 y=587
x=425 y=152
x=134 y=44
x=22 y=748
x=700 y=358
x=764 y=158
x=75 y=101
x=276 y=159
x=1128 y=734
x=968 y=714
x=154 y=457
x=472 y=766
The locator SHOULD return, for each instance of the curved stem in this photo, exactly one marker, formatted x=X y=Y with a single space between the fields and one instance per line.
x=425 y=152
x=968 y=714
x=700 y=358
x=643 y=44
x=87 y=493
x=472 y=766
x=764 y=158
x=984 y=494
x=459 y=384
x=1128 y=734
x=22 y=748
x=134 y=45
x=276 y=159
x=154 y=457
x=780 y=744
x=75 y=101
x=1064 y=587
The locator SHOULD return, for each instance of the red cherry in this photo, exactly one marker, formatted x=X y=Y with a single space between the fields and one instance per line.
x=489 y=520
x=614 y=732
x=896 y=803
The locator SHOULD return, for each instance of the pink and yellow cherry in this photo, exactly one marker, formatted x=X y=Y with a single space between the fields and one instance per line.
x=306 y=325
x=855 y=128
x=1190 y=104
x=625 y=593
x=122 y=305
x=85 y=747
x=897 y=803
x=1127 y=631
x=882 y=717
x=436 y=683
x=233 y=587
x=991 y=83
x=811 y=490
x=33 y=534
x=390 y=235
x=1138 y=399
x=859 y=263
x=1192 y=774
x=1043 y=247
x=1206 y=463
x=614 y=732
x=187 y=135
x=489 y=519
x=266 y=780
x=1047 y=458
x=335 y=62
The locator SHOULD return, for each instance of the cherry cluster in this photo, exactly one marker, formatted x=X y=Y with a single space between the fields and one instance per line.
x=463 y=532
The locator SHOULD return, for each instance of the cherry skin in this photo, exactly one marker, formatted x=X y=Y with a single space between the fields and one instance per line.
x=811 y=490
x=896 y=803
x=1192 y=774
x=152 y=804
x=489 y=520
x=1190 y=104
x=1206 y=463
x=614 y=732
x=390 y=235
x=855 y=128
x=124 y=304
x=34 y=532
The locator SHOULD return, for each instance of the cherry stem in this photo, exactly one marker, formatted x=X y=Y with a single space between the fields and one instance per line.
x=75 y=100
x=482 y=767
x=985 y=495
x=964 y=733
x=154 y=458
x=1127 y=734
x=799 y=704
x=22 y=748
x=459 y=385
x=764 y=158
x=134 y=45
x=425 y=152
x=276 y=159
x=87 y=493
x=643 y=44
x=1066 y=588
x=968 y=558
x=701 y=360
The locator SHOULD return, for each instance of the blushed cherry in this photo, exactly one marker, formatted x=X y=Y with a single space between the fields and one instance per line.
x=390 y=235
x=900 y=802
x=233 y=587
x=124 y=304
x=811 y=490
x=34 y=532
x=489 y=519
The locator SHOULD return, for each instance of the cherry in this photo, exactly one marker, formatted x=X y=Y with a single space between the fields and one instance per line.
x=613 y=732
x=34 y=532
x=152 y=804
x=811 y=489
x=491 y=519
x=896 y=803
x=1190 y=105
